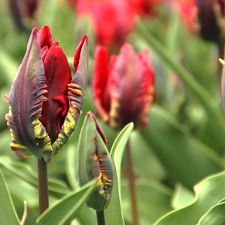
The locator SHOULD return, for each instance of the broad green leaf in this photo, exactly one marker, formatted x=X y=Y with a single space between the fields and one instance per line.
x=71 y=167
x=181 y=197
x=65 y=209
x=145 y=162
x=184 y=157
x=26 y=173
x=153 y=201
x=207 y=193
x=215 y=216
x=86 y=216
x=113 y=214
x=7 y=210
x=75 y=222
x=8 y=67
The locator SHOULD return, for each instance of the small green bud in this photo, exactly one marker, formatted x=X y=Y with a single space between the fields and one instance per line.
x=94 y=162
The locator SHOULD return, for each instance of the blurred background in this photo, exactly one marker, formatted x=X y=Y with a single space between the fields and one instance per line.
x=184 y=140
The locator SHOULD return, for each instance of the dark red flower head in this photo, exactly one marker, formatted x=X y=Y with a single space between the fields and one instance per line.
x=45 y=101
x=211 y=17
x=112 y=20
x=124 y=88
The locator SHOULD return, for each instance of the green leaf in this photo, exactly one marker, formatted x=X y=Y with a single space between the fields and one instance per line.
x=71 y=167
x=7 y=210
x=153 y=201
x=184 y=157
x=113 y=214
x=214 y=216
x=65 y=209
x=207 y=193
x=26 y=173
x=181 y=197
x=148 y=166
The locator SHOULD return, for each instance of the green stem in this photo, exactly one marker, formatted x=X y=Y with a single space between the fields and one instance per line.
x=42 y=185
x=100 y=217
x=131 y=179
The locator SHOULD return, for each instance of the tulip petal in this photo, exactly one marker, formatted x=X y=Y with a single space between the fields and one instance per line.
x=45 y=37
x=81 y=63
x=58 y=76
x=26 y=98
x=75 y=94
x=100 y=83
x=132 y=89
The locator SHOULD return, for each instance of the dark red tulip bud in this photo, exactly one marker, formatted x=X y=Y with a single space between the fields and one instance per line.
x=124 y=88
x=45 y=101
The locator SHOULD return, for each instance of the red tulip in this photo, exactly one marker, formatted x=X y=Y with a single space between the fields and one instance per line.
x=204 y=16
x=124 y=88
x=112 y=20
x=211 y=17
x=144 y=7
x=188 y=11
x=45 y=101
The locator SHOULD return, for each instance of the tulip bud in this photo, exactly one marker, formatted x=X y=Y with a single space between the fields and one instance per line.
x=123 y=87
x=94 y=162
x=45 y=101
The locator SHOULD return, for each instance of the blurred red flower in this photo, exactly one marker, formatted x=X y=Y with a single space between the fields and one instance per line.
x=206 y=17
x=112 y=20
x=188 y=11
x=144 y=7
x=211 y=17
x=124 y=88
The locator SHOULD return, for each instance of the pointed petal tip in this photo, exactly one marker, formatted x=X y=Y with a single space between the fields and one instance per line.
x=47 y=155
x=84 y=39
x=81 y=63
x=35 y=29
x=90 y=114
x=6 y=96
x=98 y=127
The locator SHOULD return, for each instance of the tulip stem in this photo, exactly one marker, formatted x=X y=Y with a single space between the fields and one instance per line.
x=42 y=185
x=131 y=178
x=100 y=217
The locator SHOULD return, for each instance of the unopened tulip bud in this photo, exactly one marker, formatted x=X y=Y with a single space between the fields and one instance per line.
x=94 y=162
x=45 y=101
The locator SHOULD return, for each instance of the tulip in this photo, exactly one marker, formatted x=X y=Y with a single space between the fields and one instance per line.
x=45 y=101
x=144 y=7
x=188 y=11
x=94 y=162
x=110 y=31
x=124 y=88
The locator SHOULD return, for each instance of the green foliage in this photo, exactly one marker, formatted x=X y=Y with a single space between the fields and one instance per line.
x=113 y=213
x=70 y=204
x=207 y=194
x=8 y=213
